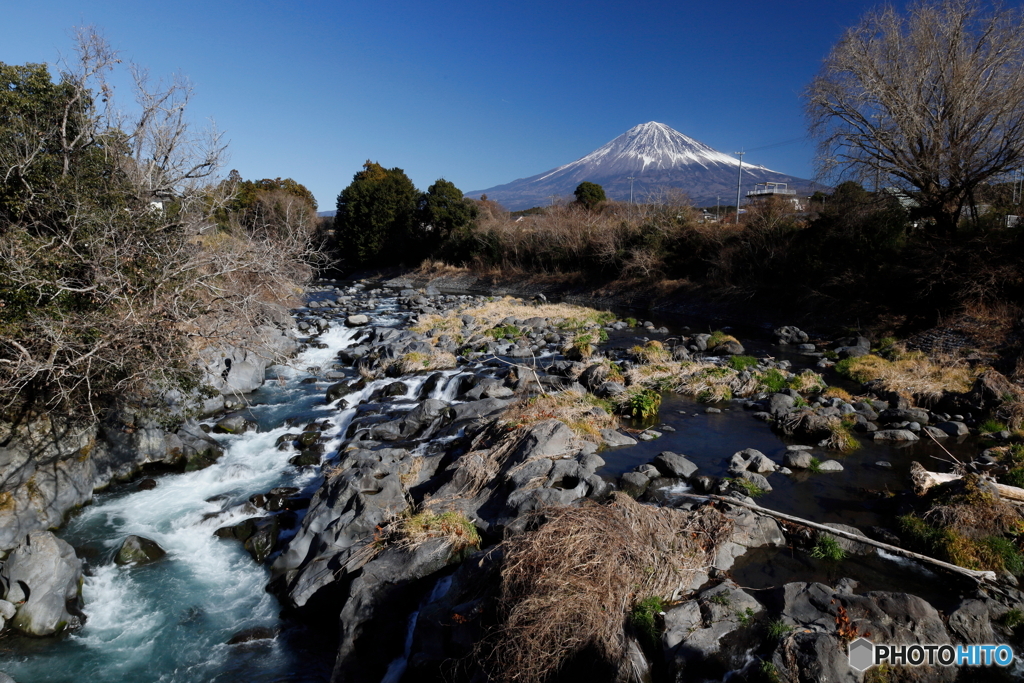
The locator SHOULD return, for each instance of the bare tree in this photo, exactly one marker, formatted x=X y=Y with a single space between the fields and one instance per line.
x=929 y=102
x=103 y=296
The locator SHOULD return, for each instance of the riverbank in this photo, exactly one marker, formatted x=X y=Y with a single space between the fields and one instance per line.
x=458 y=439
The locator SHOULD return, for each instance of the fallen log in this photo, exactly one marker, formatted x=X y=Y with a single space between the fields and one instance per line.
x=976 y=575
x=924 y=480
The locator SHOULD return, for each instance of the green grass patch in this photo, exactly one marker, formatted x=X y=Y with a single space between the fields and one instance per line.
x=777 y=629
x=991 y=426
x=772 y=381
x=828 y=548
x=1013 y=477
x=748 y=487
x=644 y=618
x=1013 y=618
x=720 y=599
x=741 y=363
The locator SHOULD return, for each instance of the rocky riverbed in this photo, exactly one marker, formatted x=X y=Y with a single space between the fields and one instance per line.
x=442 y=432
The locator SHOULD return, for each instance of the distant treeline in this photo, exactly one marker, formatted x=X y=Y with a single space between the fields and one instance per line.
x=851 y=248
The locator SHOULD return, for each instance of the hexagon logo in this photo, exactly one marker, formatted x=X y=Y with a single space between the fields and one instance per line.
x=862 y=654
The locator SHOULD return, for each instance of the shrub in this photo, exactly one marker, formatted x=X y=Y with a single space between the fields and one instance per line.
x=806 y=382
x=1013 y=618
x=582 y=346
x=644 y=404
x=1013 y=477
x=505 y=331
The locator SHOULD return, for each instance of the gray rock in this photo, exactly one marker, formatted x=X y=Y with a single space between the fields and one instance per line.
x=138 y=550
x=387 y=585
x=830 y=466
x=729 y=348
x=895 y=435
x=634 y=484
x=614 y=438
x=674 y=465
x=757 y=480
x=798 y=459
x=952 y=428
x=357 y=320
x=780 y=404
x=234 y=424
x=697 y=630
x=44 y=576
x=609 y=389
x=849 y=545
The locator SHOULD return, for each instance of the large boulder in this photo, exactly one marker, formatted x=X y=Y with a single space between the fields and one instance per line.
x=674 y=465
x=46 y=469
x=701 y=636
x=138 y=550
x=816 y=650
x=43 y=578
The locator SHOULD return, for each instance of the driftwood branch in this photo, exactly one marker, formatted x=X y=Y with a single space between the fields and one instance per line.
x=924 y=480
x=896 y=550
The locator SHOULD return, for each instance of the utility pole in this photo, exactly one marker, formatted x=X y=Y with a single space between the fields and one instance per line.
x=739 y=183
x=630 y=179
x=718 y=204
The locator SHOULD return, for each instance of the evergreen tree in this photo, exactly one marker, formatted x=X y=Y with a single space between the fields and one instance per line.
x=375 y=218
x=443 y=211
x=589 y=194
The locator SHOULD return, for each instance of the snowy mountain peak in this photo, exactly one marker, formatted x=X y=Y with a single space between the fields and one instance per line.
x=640 y=162
x=653 y=146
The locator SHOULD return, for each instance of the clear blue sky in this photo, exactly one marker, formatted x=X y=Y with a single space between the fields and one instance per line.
x=478 y=93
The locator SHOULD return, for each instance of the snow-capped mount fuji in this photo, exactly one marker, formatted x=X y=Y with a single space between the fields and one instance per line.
x=658 y=158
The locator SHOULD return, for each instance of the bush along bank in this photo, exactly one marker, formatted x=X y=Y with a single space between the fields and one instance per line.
x=461 y=484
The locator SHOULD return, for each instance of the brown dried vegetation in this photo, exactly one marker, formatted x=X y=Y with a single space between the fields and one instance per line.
x=567 y=586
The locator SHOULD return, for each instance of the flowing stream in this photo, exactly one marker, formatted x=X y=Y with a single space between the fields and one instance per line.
x=170 y=621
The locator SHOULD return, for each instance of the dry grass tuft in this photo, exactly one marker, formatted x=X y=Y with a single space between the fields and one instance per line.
x=974 y=511
x=493 y=312
x=568 y=586
x=573 y=408
x=416 y=361
x=913 y=372
x=807 y=382
x=651 y=352
x=836 y=392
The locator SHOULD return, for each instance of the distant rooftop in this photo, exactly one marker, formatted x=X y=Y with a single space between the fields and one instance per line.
x=766 y=189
